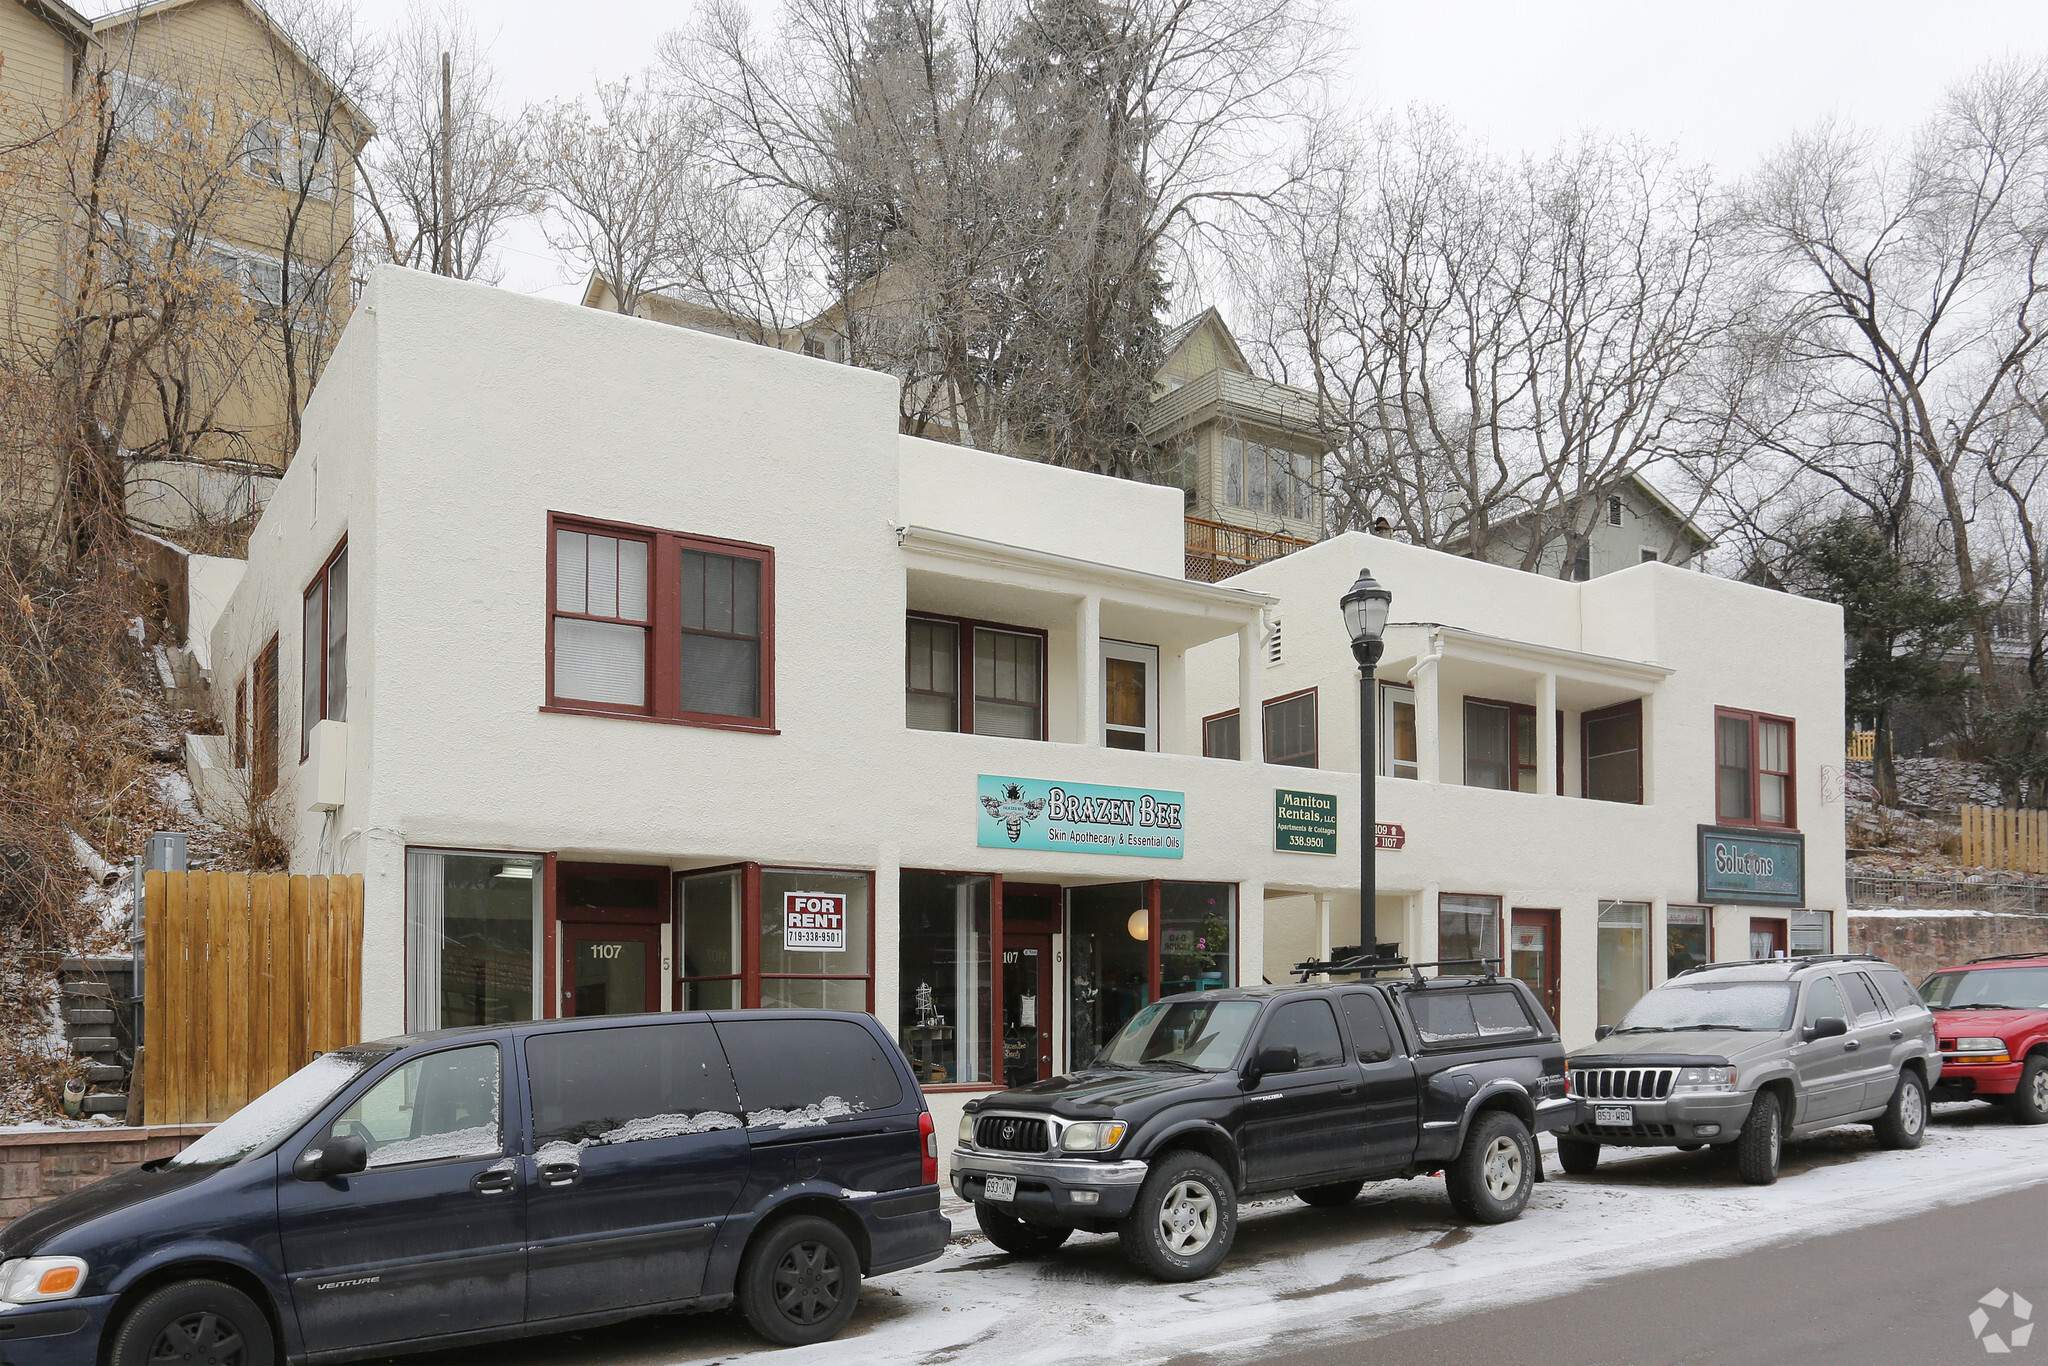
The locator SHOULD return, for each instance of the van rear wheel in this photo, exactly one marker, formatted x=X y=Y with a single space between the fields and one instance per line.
x=800 y=1282
x=197 y=1321
x=1019 y=1236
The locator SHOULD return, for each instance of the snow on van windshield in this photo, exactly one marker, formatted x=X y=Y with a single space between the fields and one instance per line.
x=271 y=1117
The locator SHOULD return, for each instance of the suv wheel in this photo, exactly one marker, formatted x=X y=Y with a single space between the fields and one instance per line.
x=2029 y=1100
x=1578 y=1156
x=1185 y=1218
x=1331 y=1196
x=1762 y=1142
x=1020 y=1236
x=1904 y=1122
x=800 y=1282
x=1489 y=1182
x=197 y=1321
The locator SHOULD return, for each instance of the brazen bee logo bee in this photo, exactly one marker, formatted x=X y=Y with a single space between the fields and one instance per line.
x=1013 y=809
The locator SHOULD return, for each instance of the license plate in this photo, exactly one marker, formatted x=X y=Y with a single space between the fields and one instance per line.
x=999 y=1188
x=1617 y=1116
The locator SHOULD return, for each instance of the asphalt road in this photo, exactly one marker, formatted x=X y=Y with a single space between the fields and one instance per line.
x=1886 y=1294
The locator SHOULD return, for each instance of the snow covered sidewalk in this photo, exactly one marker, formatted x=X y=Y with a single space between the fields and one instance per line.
x=1395 y=1257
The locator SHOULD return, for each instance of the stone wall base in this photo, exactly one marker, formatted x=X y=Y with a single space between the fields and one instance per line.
x=1921 y=943
x=38 y=1165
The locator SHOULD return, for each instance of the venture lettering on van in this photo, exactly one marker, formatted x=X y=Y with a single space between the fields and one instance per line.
x=1078 y=817
x=349 y=1284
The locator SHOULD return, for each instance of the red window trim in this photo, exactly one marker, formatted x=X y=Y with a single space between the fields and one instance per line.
x=1265 y=729
x=1755 y=820
x=319 y=580
x=1634 y=704
x=263 y=758
x=750 y=976
x=994 y=1060
x=1218 y=716
x=664 y=625
x=1516 y=710
x=963 y=666
x=241 y=744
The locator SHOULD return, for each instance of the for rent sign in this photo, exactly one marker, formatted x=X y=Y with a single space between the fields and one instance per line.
x=1751 y=868
x=814 y=921
x=1077 y=818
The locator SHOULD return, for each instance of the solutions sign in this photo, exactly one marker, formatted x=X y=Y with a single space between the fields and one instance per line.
x=1748 y=868
x=1077 y=818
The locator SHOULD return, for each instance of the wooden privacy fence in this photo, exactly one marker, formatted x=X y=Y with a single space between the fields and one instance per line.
x=246 y=976
x=1999 y=837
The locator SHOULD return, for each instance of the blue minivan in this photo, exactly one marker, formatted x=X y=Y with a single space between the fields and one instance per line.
x=474 y=1184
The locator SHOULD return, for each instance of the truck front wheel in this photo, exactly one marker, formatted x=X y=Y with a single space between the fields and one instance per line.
x=1490 y=1180
x=1185 y=1218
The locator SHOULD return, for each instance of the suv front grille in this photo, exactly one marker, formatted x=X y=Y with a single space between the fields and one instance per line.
x=1010 y=1134
x=1623 y=1083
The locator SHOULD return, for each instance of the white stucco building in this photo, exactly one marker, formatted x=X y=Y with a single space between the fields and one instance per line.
x=635 y=667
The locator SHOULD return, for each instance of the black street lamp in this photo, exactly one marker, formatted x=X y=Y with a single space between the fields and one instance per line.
x=1365 y=618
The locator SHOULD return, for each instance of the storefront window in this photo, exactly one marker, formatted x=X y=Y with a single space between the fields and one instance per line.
x=1109 y=963
x=471 y=943
x=943 y=976
x=709 y=954
x=1685 y=939
x=815 y=930
x=1196 y=920
x=1624 y=957
x=1468 y=928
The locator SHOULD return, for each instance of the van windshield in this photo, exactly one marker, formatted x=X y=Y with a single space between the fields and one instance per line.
x=1765 y=1006
x=1204 y=1035
x=276 y=1114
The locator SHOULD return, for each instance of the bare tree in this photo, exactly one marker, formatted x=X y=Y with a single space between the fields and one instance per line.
x=446 y=177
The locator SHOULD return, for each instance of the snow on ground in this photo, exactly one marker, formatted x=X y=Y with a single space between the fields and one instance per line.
x=1398 y=1255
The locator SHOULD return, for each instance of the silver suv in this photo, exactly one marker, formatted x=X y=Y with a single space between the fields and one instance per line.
x=1750 y=1054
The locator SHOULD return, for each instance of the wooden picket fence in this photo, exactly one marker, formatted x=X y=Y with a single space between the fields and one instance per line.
x=1862 y=745
x=246 y=976
x=2000 y=837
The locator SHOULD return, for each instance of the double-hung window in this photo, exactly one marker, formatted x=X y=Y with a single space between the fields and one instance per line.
x=1398 y=755
x=661 y=625
x=1500 y=745
x=1612 y=760
x=977 y=677
x=1753 y=755
x=1289 y=732
x=323 y=661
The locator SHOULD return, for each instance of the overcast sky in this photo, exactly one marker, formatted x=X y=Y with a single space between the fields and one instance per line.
x=1724 y=80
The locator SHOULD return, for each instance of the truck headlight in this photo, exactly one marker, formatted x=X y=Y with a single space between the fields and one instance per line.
x=1705 y=1079
x=966 y=1139
x=1093 y=1136
x=37 y=1280
x=1984 y=1050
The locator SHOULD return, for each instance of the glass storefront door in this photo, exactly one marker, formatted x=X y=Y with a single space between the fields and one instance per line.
x=1532 y=954
x=1109 y=964
x=1027 y=1008
x=611 y=969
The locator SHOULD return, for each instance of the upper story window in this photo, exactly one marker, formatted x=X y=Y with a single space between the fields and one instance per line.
x=1130 y=695
x=1752 y=769
x=1267 y=479
x=1613 y=511
x=1500 y=745
x=1289 y=732
x=1611 y=741
x=323 y=660
x=1397 y=732
x=263 y=723
x=290 y=158
x=660 y=624
x=969 y=676
x=153 y=113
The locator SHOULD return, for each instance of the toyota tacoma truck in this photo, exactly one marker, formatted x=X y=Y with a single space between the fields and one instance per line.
x=1205 y=1099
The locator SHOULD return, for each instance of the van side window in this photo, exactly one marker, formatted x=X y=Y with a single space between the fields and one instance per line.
x=795 y=1073
x=433 y=1109
x=1823 y=1001
x=596 y=1086
x=1862 y=997
x=1370 y=1032
x=1310 y=1029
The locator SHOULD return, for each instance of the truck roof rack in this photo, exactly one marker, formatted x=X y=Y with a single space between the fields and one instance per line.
x=1796 y=964
x=1368 y=965
x=2009 y=957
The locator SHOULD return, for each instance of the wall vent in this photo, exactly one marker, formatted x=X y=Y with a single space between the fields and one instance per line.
x=1274 y=650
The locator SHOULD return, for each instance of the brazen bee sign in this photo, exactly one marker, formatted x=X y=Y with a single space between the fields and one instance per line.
x=1077 y=818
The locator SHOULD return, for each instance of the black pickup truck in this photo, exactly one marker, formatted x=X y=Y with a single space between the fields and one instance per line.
x=1204 y=1099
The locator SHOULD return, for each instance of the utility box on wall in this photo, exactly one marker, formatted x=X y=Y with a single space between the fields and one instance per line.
x=327 y=766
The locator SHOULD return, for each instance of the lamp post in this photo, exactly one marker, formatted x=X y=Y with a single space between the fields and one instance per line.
x=1365 y=618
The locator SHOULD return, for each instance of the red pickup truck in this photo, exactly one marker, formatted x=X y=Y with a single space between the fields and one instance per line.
x=1991 y=1015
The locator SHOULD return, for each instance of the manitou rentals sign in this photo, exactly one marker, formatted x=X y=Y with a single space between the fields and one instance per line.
x=1745 y=868
x=1304 y=822
x=1077 y=818
x=814 y=921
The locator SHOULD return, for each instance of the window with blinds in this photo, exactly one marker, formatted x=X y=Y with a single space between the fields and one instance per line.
x=966 y=676
x=601 y=620
x=661 y=624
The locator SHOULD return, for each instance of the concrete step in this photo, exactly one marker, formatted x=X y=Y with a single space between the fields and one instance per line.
x=94 y=1043
x=103 y=1103
x=93 y=990
x=89 y=1017
x=100 y=1073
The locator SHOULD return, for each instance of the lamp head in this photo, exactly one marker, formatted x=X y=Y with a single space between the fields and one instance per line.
x=1365 y=606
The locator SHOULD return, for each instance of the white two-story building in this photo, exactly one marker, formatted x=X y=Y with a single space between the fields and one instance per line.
x=637 y=668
